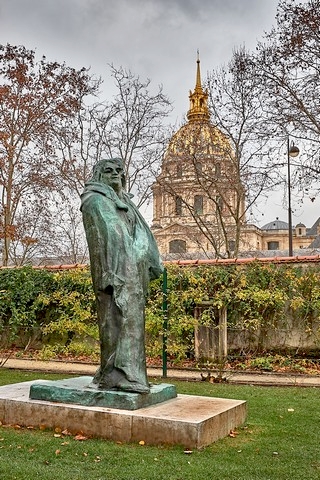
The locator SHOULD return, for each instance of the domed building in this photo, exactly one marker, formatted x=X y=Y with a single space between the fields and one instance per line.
x=276 y=225
x=275 y=236
x=199 y=199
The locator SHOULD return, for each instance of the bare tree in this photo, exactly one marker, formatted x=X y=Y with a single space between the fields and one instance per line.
x=237 y=106
x=81 y=142
x=224 y=152
x=130 y=125
x=287 y=67
x=35 y=96
x=71 y=246
x=33 y=234
x=138 y=132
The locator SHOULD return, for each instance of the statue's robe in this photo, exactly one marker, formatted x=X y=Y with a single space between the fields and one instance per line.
x=124 y=257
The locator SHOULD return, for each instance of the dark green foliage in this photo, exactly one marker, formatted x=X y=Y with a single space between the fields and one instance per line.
x=259 y=298
x=59 y=307
x=20 y=310
x=35 y=303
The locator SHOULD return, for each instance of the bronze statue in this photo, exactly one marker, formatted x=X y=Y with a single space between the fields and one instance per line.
x=124 y=257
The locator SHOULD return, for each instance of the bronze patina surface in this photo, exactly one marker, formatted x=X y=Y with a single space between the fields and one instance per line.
x=124 y=257
x=77 y=391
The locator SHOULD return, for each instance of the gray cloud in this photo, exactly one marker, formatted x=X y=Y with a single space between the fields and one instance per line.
x=156 y=39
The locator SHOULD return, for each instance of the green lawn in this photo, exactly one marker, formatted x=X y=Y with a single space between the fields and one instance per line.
x=280 y=441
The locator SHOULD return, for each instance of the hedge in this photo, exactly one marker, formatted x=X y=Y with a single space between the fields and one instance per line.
x=57 y=309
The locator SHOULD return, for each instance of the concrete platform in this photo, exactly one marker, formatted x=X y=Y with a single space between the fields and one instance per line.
x=187 y=420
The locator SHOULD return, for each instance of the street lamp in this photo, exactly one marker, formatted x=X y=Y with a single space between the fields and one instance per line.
x=293 y=151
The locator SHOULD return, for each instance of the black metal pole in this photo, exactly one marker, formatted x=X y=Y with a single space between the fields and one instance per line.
x=289 y=202
x=165 y=322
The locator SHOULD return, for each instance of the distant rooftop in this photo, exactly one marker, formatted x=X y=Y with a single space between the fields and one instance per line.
x=314 y=229
x=276 y=225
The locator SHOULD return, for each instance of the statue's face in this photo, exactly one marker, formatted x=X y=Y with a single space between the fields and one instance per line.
x=112 y=175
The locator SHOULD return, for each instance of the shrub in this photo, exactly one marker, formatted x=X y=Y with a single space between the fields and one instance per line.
x=58 y=308
x=35 y=303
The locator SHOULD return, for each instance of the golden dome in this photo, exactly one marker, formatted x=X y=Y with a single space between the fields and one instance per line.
x=198 y=136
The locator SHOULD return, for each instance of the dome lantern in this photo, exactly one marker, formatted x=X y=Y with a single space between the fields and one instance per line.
x=198 y=100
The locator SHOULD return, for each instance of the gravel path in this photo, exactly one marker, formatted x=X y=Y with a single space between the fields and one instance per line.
x=265 y=378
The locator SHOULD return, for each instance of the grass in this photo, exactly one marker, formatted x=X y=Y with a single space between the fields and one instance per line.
x=280 y=441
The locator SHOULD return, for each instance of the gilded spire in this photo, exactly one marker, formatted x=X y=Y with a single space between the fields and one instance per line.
x=198 y=77
x=198 y=100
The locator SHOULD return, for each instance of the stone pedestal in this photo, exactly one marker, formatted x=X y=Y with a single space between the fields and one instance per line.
x=187 y=420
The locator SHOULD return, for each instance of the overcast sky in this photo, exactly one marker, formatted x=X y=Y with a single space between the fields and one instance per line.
x=156 y=39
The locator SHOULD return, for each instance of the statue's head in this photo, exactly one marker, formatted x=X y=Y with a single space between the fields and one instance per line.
x=110 y=171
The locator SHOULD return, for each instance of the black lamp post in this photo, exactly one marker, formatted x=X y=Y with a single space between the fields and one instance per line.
x=293 y=151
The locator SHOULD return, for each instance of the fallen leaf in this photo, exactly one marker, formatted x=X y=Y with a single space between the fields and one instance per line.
x=142 y=442
x=85 y=454
x=187 y=451
x=58 y=452
x=65 y=443
x=42 y=427
x=57 y=435
x=17 y=427
x=66 y=432
x=80 y=437
x=57 y=430
x=275 y=453
x=290 y=409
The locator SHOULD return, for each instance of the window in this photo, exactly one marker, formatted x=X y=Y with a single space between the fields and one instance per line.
x=198 y=167
x=273 y=245
x=177 y=246
x=198 y=204
x=232 y=245
x=178 y=206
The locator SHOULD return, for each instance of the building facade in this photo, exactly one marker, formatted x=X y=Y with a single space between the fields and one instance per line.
x=199 y=199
